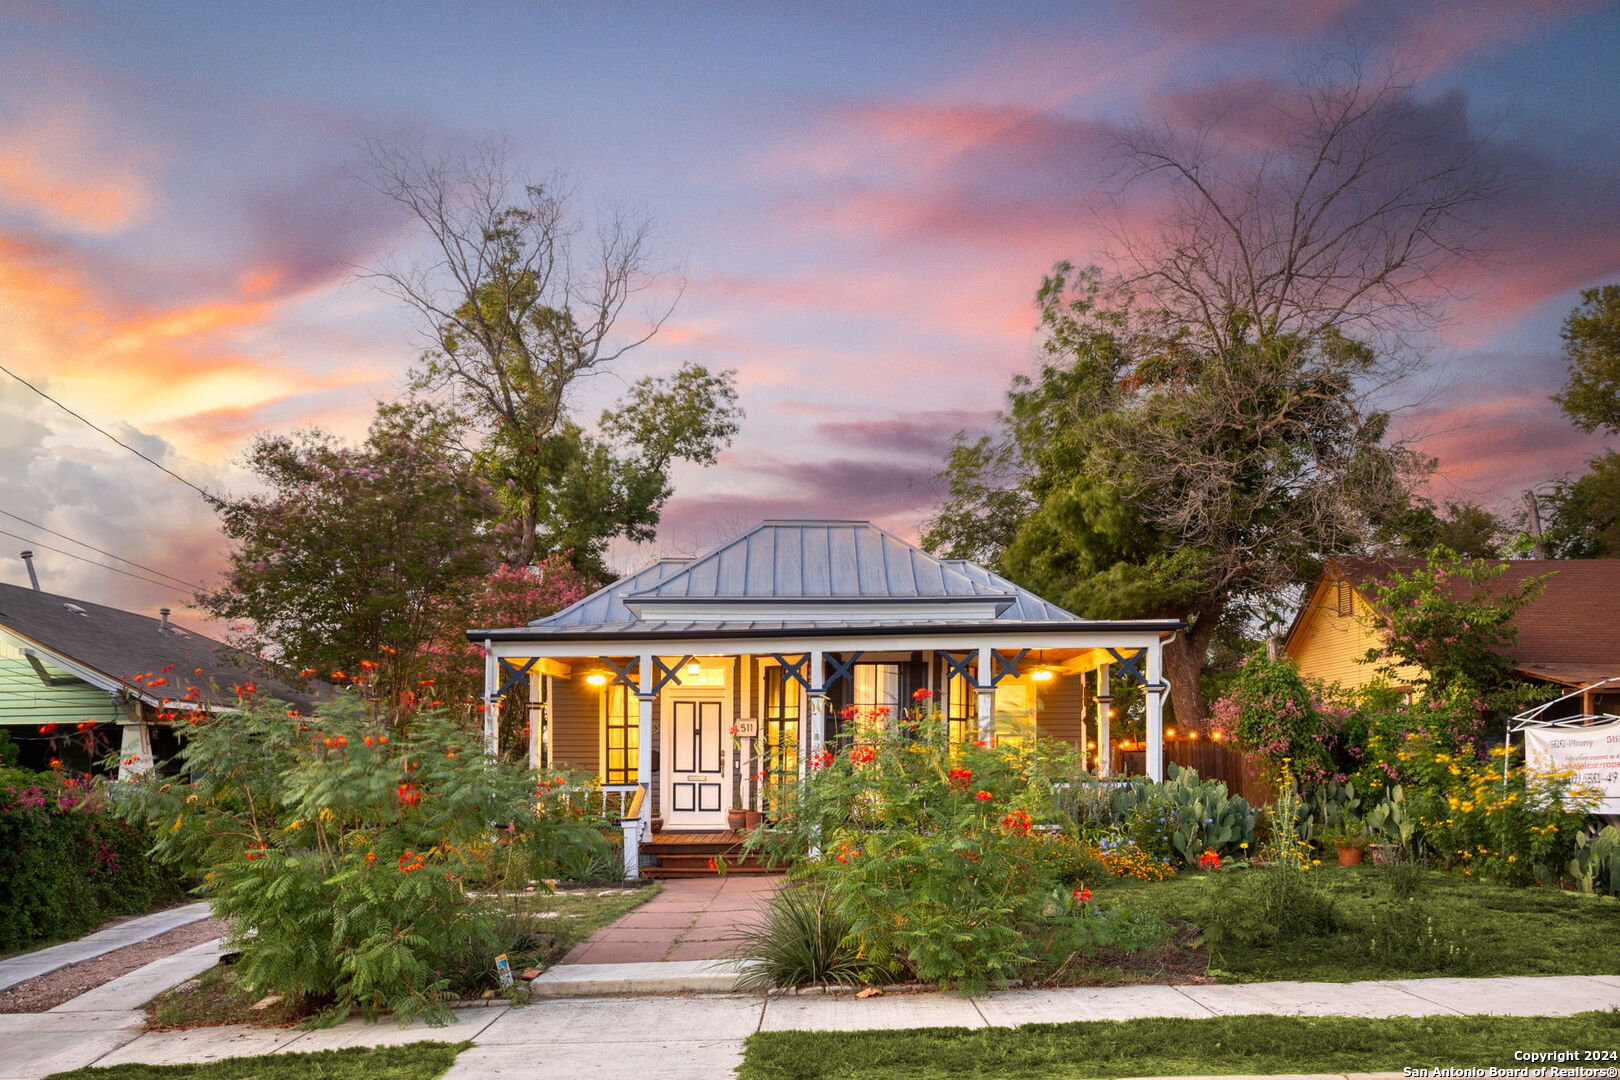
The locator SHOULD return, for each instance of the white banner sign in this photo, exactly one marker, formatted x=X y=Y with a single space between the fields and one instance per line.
x=1592 y=753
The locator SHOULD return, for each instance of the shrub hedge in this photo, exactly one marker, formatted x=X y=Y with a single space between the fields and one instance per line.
x=66 y=865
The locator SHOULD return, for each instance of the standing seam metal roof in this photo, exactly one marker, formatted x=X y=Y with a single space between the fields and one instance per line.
x=807 y=560
x=817 y=559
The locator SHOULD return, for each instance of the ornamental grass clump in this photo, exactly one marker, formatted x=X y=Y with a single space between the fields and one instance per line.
x=938 y=855
x=343 y=850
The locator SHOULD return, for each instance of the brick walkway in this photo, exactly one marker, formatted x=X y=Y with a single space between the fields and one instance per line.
x=691 y=919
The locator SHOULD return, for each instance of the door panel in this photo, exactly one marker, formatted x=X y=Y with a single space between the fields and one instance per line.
x=697 y=762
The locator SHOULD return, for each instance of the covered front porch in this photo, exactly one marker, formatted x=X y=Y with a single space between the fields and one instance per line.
x=705 y=725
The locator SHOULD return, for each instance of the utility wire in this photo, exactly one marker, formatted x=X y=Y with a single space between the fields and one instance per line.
x=212 y=499
x=99 y=551
x=191 y=591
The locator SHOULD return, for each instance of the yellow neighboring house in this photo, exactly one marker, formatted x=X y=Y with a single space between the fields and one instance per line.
x=1567 y=636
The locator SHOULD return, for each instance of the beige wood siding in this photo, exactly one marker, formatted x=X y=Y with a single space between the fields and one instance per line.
x=1061 y=703
x=576 y=724
x=1328 y=646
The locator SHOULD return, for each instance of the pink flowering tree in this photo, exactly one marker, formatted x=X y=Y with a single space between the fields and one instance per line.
x=507 y=596
x=1271 y=712
x=1452 y=619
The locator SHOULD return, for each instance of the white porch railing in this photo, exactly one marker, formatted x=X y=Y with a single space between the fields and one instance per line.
x=608 y=801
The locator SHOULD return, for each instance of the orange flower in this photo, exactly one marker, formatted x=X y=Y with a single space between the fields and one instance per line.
x=983 y=796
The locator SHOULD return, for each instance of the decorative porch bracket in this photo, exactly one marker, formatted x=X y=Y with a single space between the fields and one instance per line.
x=1132 y=666
x=840 y=670
x=666 y=674
x=794 y=670
x=621 y=673
x=1006 y=668
x=962 y=667
x=516 y=675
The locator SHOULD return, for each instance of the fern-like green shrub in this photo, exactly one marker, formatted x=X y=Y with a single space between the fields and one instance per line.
x=939 y=856
x=344 y=850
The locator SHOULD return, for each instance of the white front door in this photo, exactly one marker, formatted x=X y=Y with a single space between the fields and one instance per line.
x=695 y=763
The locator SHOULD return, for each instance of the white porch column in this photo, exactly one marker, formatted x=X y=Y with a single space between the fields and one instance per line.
x=1105 y=726
x=536 y=715
x=644 y=739
x=134 y=750
x=1155 y=711
x=492 y=707
x=986 y=692
x=818 y=701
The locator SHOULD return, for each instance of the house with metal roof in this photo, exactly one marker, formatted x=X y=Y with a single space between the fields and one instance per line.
x=665 y=683
x=78 y=678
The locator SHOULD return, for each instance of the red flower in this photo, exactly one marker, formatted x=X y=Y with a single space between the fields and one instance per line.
x=46 y=729
x=1209 y=860
x=821 y=759
x=713 y=865
x=983 y=796
x=861 y=755
x=1082 y=894
x=256 y=851
x=371 y=857
x=409 y=794
x=409 y=861
x=960 y=777
x=921 y=695
x=1018 y=821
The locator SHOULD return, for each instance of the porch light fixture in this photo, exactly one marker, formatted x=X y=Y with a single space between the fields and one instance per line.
x=694 y=668
x=1041 y=674
x=596 y=678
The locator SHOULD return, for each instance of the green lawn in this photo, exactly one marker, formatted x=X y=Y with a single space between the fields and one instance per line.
x=1169 y=1047
x=414 y=1061
x=1505 y=930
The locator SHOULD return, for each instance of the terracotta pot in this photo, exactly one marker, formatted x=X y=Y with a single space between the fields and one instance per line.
x=736 y=819
x=755 y=819
x=656 y=822
x=1349 y=855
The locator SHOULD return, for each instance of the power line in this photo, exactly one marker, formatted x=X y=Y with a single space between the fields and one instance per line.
x=191 y=591
x=152 y=461
x=100 y=551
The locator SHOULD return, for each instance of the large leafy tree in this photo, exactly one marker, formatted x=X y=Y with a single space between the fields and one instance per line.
x=1204 y=426
x=1591 y=335
x=1583 y=520
x=351 y=554
x=522 y=305
x=1464 y=527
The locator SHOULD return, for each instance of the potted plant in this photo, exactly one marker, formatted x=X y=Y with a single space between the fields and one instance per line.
x=1350 y=838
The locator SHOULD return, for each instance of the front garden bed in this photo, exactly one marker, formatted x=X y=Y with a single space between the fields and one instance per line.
x=543 y=927
x=1500 y=929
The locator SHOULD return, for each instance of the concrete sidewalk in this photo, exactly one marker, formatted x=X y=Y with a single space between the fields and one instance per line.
x=688 y=1038
x=44 y=961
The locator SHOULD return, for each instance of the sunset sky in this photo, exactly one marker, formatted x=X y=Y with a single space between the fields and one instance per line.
x=861 y=199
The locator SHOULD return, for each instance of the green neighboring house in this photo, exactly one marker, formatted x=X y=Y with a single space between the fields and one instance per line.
x=79 y=679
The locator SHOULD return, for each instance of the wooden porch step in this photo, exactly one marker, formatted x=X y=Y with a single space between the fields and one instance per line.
x=723 y=842
x=704 y=871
